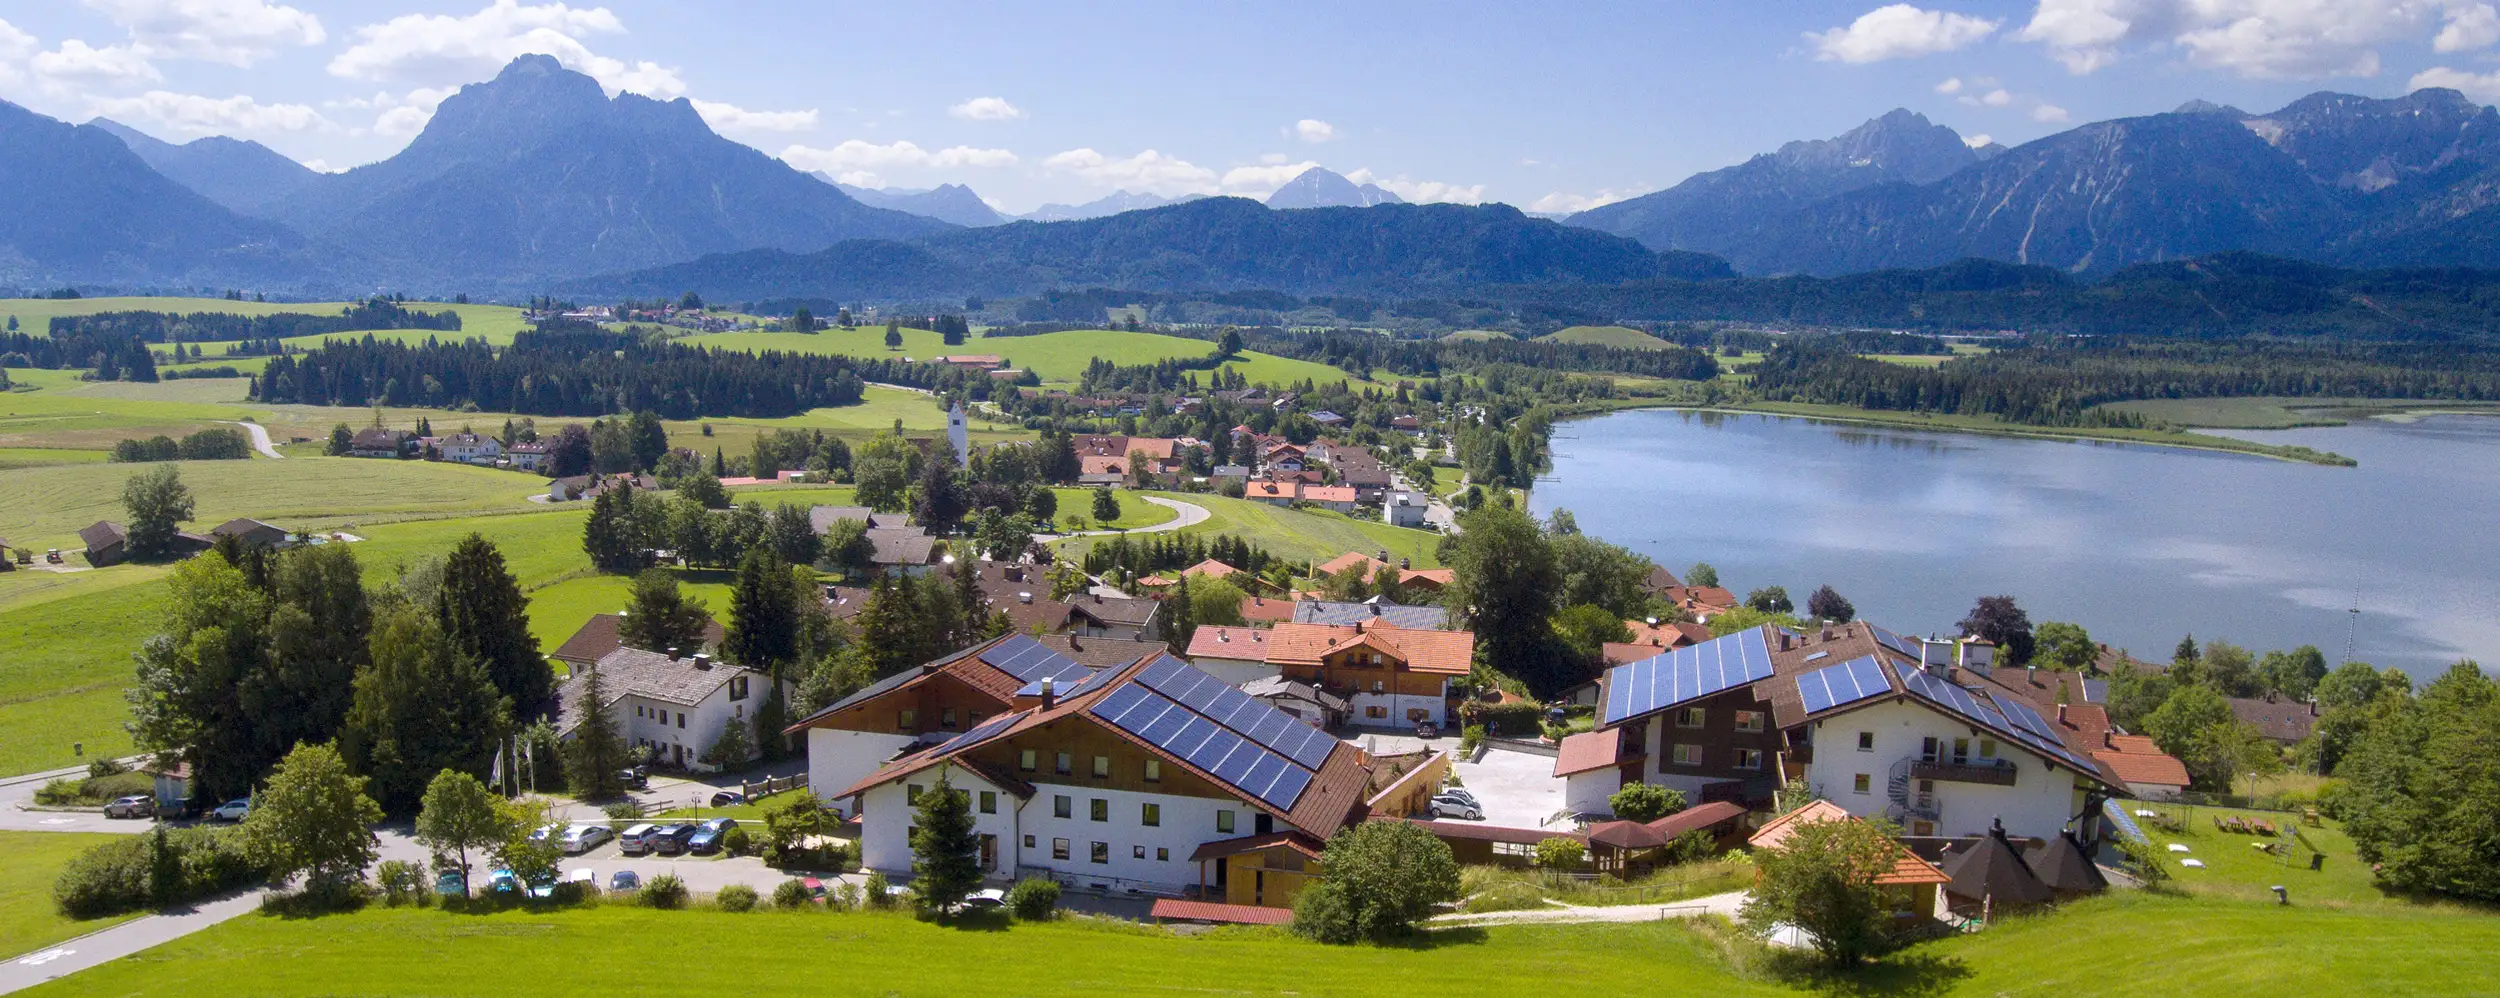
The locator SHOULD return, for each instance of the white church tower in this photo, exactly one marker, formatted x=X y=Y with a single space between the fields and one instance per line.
x=958 y=434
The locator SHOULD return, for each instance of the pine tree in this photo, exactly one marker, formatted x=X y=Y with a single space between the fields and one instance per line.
x=487 y=620
x=597 y=752
x=763 y=614
x=609 y=536
x=946 y=856
x=660 y=618
x=939 y=502
x=1183 y=618
x=420 y=708
x=971 y=606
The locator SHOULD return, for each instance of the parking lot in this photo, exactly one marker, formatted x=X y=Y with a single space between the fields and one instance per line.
x=1517 y=789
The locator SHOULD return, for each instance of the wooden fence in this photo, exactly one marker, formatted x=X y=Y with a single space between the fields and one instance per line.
x=771 y=785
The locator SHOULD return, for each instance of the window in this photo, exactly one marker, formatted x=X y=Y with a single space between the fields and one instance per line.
x=1692 y=717
x=1098 y=809
x=1101 y=852
x=1961 y=750
x=1927 y=748
x=1154 y=770
x=1748 y=720
x=1150 y=815
x=905 y=718
x=911 y=794
x=946 y=718
x=1687 y=755
x=1375 y=710
x=1062 y=806
x=1861 y=783
x=681 y=719
x=1224 y=822
x=1139 y=852
x=1866 y=741
x=1028 y=842
x=1987 y=748
x=1163 y=855
x=1058 y=848
x=989 y=802
x=1520 y=850
x=738 y=688
x=1102 y=767
x=1028 y=759
x=1747 y=758
x=1418 y=714
x=1063 y=764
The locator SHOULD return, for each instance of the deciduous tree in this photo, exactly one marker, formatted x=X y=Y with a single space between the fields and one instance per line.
x=461 y=815
x=1828 y=604
x=1997 y=619
x=1378 y=880
x=420 y=708
x=155 y=502
x=1821 y=878
x=313 y=819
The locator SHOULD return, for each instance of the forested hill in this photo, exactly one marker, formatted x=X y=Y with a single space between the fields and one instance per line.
x=1211 y=244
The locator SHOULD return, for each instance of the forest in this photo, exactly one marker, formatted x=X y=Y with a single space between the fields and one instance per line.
x=168 y=327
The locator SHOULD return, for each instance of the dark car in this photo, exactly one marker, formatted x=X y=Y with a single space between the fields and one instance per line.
x=624 y=880
x=636 y=778
x=708 y=836
x=668 y=840
x=726 y=798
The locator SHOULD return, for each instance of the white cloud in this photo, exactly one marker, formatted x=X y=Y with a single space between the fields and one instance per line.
x=1272 y=158
x=1995 y=98
x=79 y=65
x=401 y=116
x=1149 y=171
x=2256 y=38
x=2475 y=27
x=1314 y=130
x=1262 y=180
x=857 y=155
x=1977 y=141
x=732 y=118
x=1899 y=31
x=2049 y=113
x=237 y=32
x=1951 y=85
x=439 y=48
x=200 y=115
x=2484 y=87
x=1422 y=191
x=1562 y=203
x=986 y=109
x=16 y=44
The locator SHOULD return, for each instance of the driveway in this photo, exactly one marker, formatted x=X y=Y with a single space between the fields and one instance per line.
x=1517 y=789
x=1190 y=514
x=260 y=440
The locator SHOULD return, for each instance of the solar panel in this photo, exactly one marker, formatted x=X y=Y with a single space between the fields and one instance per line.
x=1848 y=682
x=1240 y=712
x=1287 y=788
x=1960 y=701
x=1670 y=678
x=1893 y=641
x=983 y=732
x=2023 y=716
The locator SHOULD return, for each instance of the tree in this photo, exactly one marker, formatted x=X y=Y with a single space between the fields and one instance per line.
x=2295 y=673
x=893 y=336
x=532 y=861
x=342 y=440
x=313 y=819
x=1701 y=575
x=2066 y=646
x=946 y=855
x=1998 y=620
x=609 y=535
x=1821 y=878
x=1216 y=601
x=570 y=453
x=155 y=501
x=846 y=548
x=938 y=500
x=420 y=708
x=705 y=489
x=1828 y=604
x=1504 y=580
x=659 y=617
x=1770 y=599
x=460 y=815
x=597 y=751
x=1181 y=618
x=1227 y=345
x=487 y=620
x=1646 y=802
x=319 y=638
x=1597 y=573
x=2229 y=669
x=1377 y=880
x=733 y=748
x=883 y=469
x=2423 y=782
x=802 y=321
x=648 y=440
x=763 y=614
x=1106 y=506
x=2185 y=726
x=1586 y=629
x=186 y=700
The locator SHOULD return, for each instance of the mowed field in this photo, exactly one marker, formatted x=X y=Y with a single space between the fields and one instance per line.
x=1058 y=358
x=28 y=919
x=45 y=507
x=1300 y=535
x=2114 y=945
x=1608 y=336
x=496 y=323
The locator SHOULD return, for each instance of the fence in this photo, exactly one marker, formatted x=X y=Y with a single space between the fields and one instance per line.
x=771 y=785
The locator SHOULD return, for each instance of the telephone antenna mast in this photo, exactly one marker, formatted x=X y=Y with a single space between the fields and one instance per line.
x=2352 y=629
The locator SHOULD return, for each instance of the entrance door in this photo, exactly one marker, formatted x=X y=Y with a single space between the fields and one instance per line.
x=1258 y=887
x=989 y=852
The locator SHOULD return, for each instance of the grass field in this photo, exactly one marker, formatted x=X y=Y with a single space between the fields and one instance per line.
x=1294 y=534
x=1478 y=334
x=45 y=507
x=2114 y=945
x=2235 y=868
x=496 y=323
x=1059 y=358
x=36 y=457
x=2277 y=413
x=1609 y=336
x=28 y=919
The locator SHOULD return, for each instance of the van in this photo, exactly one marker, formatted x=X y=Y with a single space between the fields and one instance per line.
x=636 y=840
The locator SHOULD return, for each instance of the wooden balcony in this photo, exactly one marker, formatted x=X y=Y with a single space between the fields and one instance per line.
x=1994 y=772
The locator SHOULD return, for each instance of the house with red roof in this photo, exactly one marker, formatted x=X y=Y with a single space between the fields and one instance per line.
x=1392 y=676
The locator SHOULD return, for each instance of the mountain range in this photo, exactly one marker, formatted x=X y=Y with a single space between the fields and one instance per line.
x=2357 y=181
x=1319 y=187
x=952 y=203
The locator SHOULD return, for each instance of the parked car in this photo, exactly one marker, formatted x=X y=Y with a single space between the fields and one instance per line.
x=726 y=798
x=987 y=897
x=636 y=778
x=580 y=839
x=624 y=880
x=545 y=832
x=708 y=835
x=1427 y=730
x=133 y=806
x=502 y=882
x=451 y=884
x=669 y=840
x=636 y=839
x=1450 y=807
x=233 y=810
x=1460 y=794
x=586 y=877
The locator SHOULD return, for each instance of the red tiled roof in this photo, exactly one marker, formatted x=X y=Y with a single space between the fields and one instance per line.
x=1588 y=751
x=1371 y=565
x=1216 y=641
x=1437 y=576
x=1907 y=868
x=1457 y=831
x=1691 y=818
x=1442 y=652
x=1221 y=848
x=1259 y=608
x=1210 y=911
x=2147 y=768
x=1328 y=493
x=1270 y=490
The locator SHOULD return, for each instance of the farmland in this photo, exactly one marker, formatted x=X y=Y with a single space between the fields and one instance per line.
x=1057 y=358
x=1608 y=336
x=45 y=507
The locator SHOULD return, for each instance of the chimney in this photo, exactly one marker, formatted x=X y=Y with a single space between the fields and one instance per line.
x=1097 y=599
x=702 y=661
x=1405 y=563
x=1050 y=693
x=2061 y=713
x=1375 y=609
x=672 y=653
x=1784 y=636
x=2108 y=739
x=1024 y=597
x=2031 y=674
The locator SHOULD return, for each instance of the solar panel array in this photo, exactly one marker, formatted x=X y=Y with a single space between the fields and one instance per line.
x=1669 y=678
x=1252 y=717
x=1029 y=660
x=1211 y=747
x=2034 y=731
x=1848 y=682
x=981 y=732
x=1894 y=641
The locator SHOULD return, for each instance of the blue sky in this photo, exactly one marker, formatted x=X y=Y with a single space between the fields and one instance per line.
x=1548 y=106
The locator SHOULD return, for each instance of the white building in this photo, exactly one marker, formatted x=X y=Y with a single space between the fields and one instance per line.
x=471 y=448
x=677 y=706
x=1404 y=509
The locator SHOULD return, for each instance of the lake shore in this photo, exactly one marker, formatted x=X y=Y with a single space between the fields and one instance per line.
x=1998 y=428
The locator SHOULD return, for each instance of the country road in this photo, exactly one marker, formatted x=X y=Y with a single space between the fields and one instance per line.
x=260 y=440
x=1191 y=514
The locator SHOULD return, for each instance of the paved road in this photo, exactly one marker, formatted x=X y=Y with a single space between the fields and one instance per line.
x=1716 y=904
x=1190 y=514
x=63 y=959
x=260 y=440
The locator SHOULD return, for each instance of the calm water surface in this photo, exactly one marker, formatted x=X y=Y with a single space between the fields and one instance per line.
x=2139 y=544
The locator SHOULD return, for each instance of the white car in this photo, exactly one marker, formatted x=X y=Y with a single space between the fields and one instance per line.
x=1452 y=807
x=545 y=832
x=1460 y=794
x=987 y=897
x=586 y=877
x=580 y=839
x=233 y=810
x=634 y=842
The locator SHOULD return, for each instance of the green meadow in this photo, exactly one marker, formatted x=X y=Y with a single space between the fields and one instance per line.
x=1057 y=358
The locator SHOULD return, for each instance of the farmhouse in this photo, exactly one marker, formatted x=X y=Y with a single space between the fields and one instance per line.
x=251 y=533
x=379 y=442
x=528 y=455
x=465 y=447
x=108 y=543
x=590 y=486
x=598 y=636
x=1392 y=676
x=677 y=705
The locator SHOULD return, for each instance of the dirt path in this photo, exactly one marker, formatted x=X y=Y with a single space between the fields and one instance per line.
x=260 y=440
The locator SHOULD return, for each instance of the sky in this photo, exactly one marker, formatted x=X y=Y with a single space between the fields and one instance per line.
x=1550 y=107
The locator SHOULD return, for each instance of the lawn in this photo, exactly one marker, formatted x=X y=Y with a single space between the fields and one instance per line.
x=45 y=507
x=28 y=919
x=560 y=609
x=1294 y=534
x=36 y=457
x=1058 y=358
x=1608 y=336
x=2235 y=868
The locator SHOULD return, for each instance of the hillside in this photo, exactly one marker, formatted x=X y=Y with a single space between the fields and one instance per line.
x=1609 y=336
x=955 y=204
x=1318 y=187
x=242 y=175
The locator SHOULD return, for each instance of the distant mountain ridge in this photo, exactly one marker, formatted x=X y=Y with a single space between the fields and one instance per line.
x=1108 y=204
x=1319 y=187
x=952 y=203
x=242 y=175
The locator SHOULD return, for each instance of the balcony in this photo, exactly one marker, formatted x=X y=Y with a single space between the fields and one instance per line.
x=1995 y=772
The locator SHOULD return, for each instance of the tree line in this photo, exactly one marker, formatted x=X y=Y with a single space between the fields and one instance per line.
x=213 y=444
x=169 y=327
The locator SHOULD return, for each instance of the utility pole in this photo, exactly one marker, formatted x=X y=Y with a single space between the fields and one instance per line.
x=2352 y=629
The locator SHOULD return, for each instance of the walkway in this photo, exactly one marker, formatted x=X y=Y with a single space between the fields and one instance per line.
x=260 y=440
x=1559 y=913
x=1190 y=514
x=103 y=945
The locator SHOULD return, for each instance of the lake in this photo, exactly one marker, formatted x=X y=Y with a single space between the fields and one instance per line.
x=2139 y=544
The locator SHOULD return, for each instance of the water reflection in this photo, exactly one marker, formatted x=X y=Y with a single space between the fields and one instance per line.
x=2140 y=544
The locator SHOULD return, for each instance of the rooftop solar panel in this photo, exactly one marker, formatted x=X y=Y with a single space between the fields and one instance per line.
x=1848 y=682
x=982 y=732
x=1287 y=788
x=1670 y=678
x=1893 y=641
x=1239 y=712
x=1960 y=701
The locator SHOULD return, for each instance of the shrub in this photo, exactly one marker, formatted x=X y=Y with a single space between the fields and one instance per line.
x=664 y=892
x=846 y=898
x=60 y=792
x=1645 y=802
x=875 y=892
x=402 y=882
x=102 y=768
x=1517 y=717
x=792 y=895
x=131 y=873
x=628 y=809
x=1561 y=854
x=735 y=897
x=1379 y=879
x=737 y=843
x=1034 y=898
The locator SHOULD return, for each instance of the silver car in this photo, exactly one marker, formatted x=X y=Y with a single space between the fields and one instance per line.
x=134 y=806
x=1452 y=807
x=580 y=839
x=636 y=840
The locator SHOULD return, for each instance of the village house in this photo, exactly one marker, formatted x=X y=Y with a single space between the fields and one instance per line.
x=1272 y=493
x=1334 y=498
x=600 y=635
x=1100 y=616
x=470 y=448
x=675 y=705
x=252 y=533
x=1304 y=701
x=108 y=543
x=1236 y=655
x=2283 y=721
x=379 y=442
x=1375 y=610
x=900 y=547
x=578 y=487
x=1151 y=778
x=1404 y=509
x=1392 y=676
x=527 y=455
x=1909 y=887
